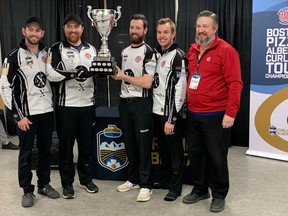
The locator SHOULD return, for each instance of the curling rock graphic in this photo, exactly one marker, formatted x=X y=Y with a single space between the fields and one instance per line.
x=112 y=131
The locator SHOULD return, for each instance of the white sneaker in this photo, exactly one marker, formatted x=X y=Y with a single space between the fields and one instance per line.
x=127 y=186
x=144 y=195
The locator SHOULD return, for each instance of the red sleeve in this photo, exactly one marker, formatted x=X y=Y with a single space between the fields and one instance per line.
x=232 y=75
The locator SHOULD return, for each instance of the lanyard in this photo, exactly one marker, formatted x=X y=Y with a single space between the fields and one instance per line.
x=198 y=57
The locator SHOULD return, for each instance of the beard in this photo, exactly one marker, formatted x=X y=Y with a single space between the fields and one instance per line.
x=204 y=42
x=136 y=38
x=73 y=38
x=33 y=41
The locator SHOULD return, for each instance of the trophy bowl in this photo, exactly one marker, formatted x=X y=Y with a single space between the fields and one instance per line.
x=103 y=20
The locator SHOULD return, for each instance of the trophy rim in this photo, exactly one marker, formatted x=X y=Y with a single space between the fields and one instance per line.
x=99 y=9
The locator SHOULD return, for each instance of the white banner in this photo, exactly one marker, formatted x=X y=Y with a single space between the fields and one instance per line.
x=268 y=135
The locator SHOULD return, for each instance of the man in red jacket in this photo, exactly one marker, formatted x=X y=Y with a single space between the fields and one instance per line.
x=213 y=99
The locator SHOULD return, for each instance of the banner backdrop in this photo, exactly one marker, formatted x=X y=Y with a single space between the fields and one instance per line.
x=269 y=80
x=109 y=157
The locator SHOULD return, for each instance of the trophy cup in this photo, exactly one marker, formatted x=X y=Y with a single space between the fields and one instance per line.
x=104 y=20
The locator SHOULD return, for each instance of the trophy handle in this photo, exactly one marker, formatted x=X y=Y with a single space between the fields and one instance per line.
x=89 y=14
x=119 y=15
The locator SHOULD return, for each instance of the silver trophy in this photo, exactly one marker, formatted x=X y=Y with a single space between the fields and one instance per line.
x=104 y=20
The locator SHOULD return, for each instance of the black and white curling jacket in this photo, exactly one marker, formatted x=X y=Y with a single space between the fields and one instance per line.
x=137 y=61
x=63 y=58
x=28 y=80
x=170 y=81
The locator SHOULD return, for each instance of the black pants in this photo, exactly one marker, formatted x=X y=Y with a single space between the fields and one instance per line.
x=75 y=123
x=171 y=154
x=42 y=127
x=208 y=146
x=136 y=122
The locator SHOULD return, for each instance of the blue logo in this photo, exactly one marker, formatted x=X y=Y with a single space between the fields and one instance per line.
x=110 y=149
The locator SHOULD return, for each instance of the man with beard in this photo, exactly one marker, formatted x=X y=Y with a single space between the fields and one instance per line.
x=75 y=113
x=135 y=107
x=32 y=108
x=213 y=99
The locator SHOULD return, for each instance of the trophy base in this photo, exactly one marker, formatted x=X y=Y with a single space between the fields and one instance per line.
x=103 y=65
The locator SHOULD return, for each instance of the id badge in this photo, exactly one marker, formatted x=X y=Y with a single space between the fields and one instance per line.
x=195 y=81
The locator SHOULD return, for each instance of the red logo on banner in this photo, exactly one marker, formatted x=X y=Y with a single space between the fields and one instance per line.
x=283 y=16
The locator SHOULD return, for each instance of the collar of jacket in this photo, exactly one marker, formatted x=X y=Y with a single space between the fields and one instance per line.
x=67 y=44
x=22 y=44
x=172 y=47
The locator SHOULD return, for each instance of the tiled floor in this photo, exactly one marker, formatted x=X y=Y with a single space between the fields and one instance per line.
x=259 y=187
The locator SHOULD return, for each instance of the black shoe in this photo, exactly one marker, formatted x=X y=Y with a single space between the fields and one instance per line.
x=10 y=145
x=68 y=192
x=48 y=191
x=171 y=196
x=27 y=200
x=90 y=187
x=217 y=205
x=194 y=198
